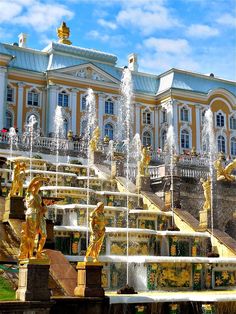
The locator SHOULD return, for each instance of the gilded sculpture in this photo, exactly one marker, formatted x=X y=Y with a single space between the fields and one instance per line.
x=34 y=228
x=224 y=173
x=63 y=33
x=93 y=144
x=206 y=184
x=97 y=226
x=144 y=162
x=18 y=179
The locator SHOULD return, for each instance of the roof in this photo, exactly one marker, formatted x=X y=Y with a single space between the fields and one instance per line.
x=58 y=56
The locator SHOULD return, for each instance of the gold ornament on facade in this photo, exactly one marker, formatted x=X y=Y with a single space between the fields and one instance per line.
x=93 y=144
x=63 y=33
x=18 y=179
x=224 y=174
x=206 y=184
x=97 y=227
x=33 y=234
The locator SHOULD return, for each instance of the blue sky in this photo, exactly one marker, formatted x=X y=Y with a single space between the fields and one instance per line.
x=195 y=35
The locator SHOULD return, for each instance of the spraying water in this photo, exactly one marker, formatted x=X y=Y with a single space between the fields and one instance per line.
x=209 y=145
x=126 y=114
x=91 y=118
x=58 y=127
x=31 y=125
x=136 y=148
x=171 y=148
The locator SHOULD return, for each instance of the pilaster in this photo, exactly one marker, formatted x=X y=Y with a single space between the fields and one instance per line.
x=101 y=111
x=198 y=127
x=20 y=121
x=73 y=109
x=3 y=71
x=156 y=124
x=52 y=103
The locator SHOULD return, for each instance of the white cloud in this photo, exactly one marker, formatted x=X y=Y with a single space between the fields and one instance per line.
x=202 y=31
x=227 y=20
x=107 y=24
x=173 y=46
x=114 y=41
x=38 y=14
x=161 y=54
x=147 y=19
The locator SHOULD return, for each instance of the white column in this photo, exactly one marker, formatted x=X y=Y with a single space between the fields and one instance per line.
x=20 y=122
x=156 y=124
x=52 y=103
x=101 y=111
x=137 y=118
x=73 y=110
x=175 y=119
x=198 y=127
x=43 y=107
x=3 y=84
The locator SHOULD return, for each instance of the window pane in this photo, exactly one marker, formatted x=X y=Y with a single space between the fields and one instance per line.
x=9 y=94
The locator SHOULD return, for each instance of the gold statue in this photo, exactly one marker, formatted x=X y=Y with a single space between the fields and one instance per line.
x=224 y=173
x=97 y=226
x=18 y=179
x=144 y=162
x=206 y=184
x=63 y=33
x=93 y=144
x=34 y=227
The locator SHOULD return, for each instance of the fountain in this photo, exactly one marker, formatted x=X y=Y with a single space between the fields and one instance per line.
x=58 y=126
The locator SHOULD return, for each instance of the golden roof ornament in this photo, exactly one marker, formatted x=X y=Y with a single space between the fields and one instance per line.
x=63 y=33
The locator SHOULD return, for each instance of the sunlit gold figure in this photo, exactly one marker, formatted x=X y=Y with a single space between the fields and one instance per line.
x=63 y=33
x=93 y=144
x=18 y=179
x=224 y=174
x=97 y=226
x=144 y=162
x=35 y=226
x=206 y=184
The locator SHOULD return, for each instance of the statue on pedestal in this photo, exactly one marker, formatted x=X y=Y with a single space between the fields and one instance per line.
x=18 y=179
x=97 y=226
x=144 y=162
x=93 y=144
x=35 y=224
x=206 y=184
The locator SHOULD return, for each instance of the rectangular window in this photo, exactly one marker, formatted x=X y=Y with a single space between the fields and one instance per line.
x=233 y=123
x=10 y=94
x=33 y=99
x=184 y=115
x=164 y=116
x=83 y=103
x=63 y=100
x=146 y=118
x=109 y=107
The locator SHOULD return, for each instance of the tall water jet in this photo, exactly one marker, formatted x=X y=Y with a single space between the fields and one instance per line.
x=58 y=128
x=126 y=114
x=31 y=126
x=91 y=118
x=170 y=138
x=136 y=148
x=110 y=155
x=13 y=139
x=209 y=146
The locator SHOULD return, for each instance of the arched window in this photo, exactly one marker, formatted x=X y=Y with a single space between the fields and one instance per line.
x=65 y=127
x=163 y=116
x=184 y=114
x=233 y=146
x=33 y=98
x=220 y=120
x=232 y=123
x=9 y=120
x=185 y=139
x=109 y=131
x=163 y=139
x=109 y=107
x=63 y=99
x=221 y=143
x=147 y=139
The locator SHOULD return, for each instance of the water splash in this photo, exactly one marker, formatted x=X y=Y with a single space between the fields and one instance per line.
x=59 y=132
x=13 y=139
x=126 y=114
x=31 y=127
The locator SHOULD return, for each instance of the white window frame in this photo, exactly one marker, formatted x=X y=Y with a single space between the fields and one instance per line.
x=110 y=106
x=225 y=143
x=112 y=128
x=232 y=116
x=12 y=118
x=150 y=136
x=82 y=97
x=33 y=91
x=220 y=112
x=9 y=86
x=233 y=147
x=163 y=116
x=64 y=93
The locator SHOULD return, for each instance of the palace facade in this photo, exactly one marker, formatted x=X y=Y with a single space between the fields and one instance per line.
x=34 y=82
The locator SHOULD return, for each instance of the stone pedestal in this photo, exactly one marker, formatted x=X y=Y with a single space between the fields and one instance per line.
x=204 y=219
x=33 y=281
x=143 y=183
x=14 y=208
x=89 y=282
